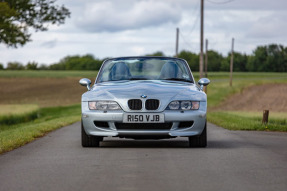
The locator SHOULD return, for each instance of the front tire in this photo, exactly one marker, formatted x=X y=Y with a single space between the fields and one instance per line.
x=199 y=141
x=89 y=141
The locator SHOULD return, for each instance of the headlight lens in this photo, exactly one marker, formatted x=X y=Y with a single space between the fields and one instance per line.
x=183 y=105
x=174 y=105
x=104 y=105
x=186 y=105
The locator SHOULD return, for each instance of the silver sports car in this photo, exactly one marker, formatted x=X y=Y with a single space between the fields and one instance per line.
x=144 y=98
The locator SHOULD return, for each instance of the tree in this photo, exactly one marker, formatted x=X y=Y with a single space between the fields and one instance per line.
x=191 y=58
x=86 y=62
x=225 y=64
x=158 y=53
x=15 y=66
x=271 y=58
x=43 y=67
x=214 y=61
x=58 y=66
x=239 y=62
x=18 y=16
x=1 y=67
x=276 y=57
x=31 y=66
x=256 y=61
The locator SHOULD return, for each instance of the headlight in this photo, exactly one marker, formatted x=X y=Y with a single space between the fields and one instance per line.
x=104 y=105
x=183 y=105
x=174 y=105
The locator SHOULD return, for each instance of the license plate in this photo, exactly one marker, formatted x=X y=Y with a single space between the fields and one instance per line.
x=143 y=118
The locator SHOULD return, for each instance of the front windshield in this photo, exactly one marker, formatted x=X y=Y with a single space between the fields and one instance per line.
x=145 y=68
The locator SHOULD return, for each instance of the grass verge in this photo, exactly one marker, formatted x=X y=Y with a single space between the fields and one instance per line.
x=13 y=114
x=248 y=121
x=14 y=136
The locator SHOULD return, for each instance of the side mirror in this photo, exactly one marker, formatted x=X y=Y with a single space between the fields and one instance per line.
x=203 y=82
x=86 y=82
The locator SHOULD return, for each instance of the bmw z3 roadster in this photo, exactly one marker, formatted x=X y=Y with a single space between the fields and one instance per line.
x=144 y=98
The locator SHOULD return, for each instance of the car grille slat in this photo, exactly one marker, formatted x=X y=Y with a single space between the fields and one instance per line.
x=143 y=126
x=152 y=104
x=135 y=104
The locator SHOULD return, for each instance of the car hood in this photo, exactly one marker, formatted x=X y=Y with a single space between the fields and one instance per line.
x=165 y=91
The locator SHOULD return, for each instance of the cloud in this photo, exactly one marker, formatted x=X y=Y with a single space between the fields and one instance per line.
x=270 y=26
x=49 y=44
x=247 y=5
x=112 y=17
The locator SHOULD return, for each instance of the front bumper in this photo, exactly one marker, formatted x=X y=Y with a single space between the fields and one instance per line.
x=174 y=118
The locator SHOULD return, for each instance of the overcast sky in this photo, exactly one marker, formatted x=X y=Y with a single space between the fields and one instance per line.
x=112 y=28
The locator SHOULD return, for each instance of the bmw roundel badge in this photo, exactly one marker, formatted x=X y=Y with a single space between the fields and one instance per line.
x=143 y=96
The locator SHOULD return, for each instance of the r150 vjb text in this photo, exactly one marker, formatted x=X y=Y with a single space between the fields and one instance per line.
x=144 y=118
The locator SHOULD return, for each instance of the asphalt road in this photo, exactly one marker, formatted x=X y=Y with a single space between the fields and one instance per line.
x=233 y=160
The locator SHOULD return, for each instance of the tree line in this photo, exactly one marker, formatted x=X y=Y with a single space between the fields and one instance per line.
x=269 y=58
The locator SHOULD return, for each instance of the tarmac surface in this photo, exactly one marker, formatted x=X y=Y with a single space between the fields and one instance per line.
x=233 y=160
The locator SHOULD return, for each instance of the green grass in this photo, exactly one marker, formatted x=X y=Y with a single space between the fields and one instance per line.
x=248 y=121
x=272 y=115
x=14 y=136
x=13 y=114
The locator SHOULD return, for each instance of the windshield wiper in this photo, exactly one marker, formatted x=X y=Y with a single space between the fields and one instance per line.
x=178 y=79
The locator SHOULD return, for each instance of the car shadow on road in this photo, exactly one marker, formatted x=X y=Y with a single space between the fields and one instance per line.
x=212 y=144
x=144 y=144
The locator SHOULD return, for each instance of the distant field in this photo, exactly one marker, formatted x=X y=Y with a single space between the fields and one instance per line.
x=46 y=74
x=44 y=88
x=244 y=75
x=219 y=89
x=92 y=74
x=55 y=88
x=44 y=92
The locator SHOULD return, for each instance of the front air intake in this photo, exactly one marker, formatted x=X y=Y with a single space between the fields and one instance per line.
x=135 y=104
